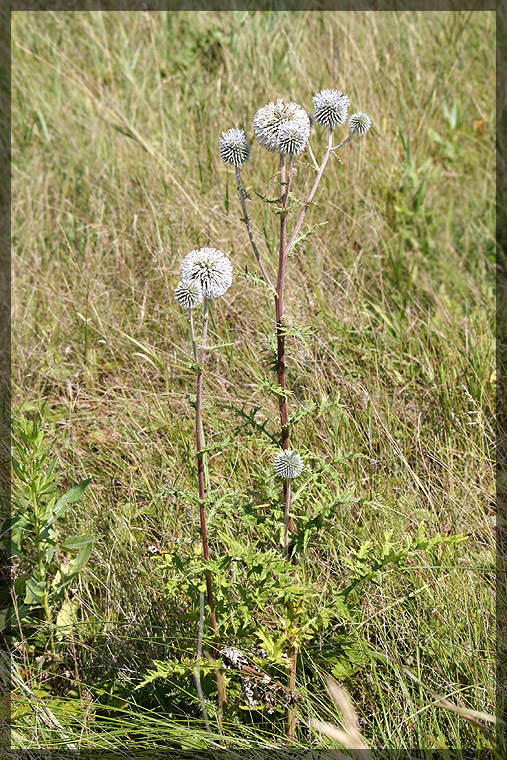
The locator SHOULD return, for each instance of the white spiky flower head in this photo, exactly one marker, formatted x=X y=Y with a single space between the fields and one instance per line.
x=234 y=148
x=210 y=268
x=288 y=465
x=188 y=294
x=268 y=119
x=331 y=108
x=360 y=123
x=292 y=137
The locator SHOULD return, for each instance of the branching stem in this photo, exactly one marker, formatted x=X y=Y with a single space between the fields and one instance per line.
x=312 y=191
x=249 y=229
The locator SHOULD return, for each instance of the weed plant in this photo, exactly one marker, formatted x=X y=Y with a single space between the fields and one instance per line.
x=388 y=580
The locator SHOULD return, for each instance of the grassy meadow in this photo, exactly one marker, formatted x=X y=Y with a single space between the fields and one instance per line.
x=116 y=176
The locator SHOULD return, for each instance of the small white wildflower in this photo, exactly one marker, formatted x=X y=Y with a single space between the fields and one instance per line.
x=292 y=137
x=210 y=268
x=234 y=148
x=288 y=465
x=188 y=294
x=268 y=119
x=360 y=123
x=331 y=108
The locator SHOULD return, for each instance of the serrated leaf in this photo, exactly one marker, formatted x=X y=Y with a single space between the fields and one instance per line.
x=303 y=238
x=257 y=281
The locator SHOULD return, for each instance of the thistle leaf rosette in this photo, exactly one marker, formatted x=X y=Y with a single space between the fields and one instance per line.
x=188 y=294
x=210 y=268
x=288 y=465
x=360 y=123
x=331 y=108
x=234 y=148
x=268 y=120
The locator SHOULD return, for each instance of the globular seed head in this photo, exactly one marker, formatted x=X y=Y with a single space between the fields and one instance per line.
x=292 y=137
x=331 y=108
x=288 y=465
x=234 y=148
x=268 y=120
x=188 y=294
x=360 y=123
x=210 y=268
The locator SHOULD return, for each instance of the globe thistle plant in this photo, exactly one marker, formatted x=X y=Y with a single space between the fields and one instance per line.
x=206 y=273
x=188 y=294
x=234 y=148
x=331 y=108
x=284 y=128
x=268 y=120
x=210 y=268
x=360 y=123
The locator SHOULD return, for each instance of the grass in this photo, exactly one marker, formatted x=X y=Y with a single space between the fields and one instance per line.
x=116 y=176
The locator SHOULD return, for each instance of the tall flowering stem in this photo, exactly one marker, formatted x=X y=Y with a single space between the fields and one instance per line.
x=280 y=331
x=200 y=463
x=205 y=274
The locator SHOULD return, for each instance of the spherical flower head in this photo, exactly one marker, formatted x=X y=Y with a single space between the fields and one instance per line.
x=288 y=465
x=331 y=108
x=292 y=137
x=188 y=294
x=268 y=119
x=210 y=268
x=360 y=123
x=234 y=148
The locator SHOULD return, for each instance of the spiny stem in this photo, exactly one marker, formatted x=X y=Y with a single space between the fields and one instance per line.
x=280 y=334
x=249 y=229
x=200 y=463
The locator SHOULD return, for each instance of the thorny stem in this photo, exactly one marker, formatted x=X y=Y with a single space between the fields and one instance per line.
x=249 y=229
x=280 y=335
x=312 y=191
x=200 y=463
